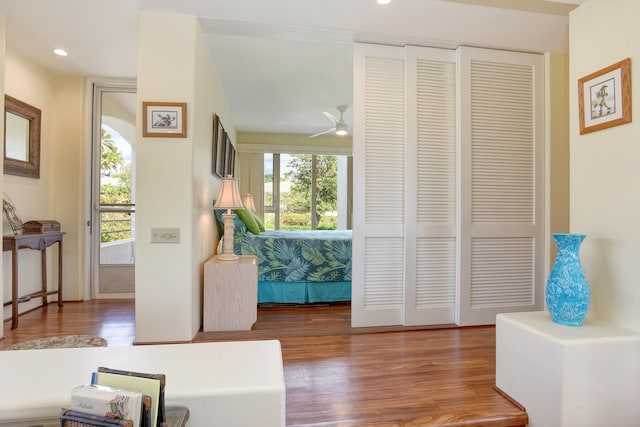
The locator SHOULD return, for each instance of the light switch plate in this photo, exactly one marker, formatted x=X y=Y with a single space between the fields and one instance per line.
x=165 y=235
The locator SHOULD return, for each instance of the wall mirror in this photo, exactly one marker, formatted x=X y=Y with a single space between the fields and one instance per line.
x=21 y=138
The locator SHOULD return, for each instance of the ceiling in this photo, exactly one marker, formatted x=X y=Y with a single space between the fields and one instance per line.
x=281 y=63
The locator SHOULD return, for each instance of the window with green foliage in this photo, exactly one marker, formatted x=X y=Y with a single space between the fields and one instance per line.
x=301 y=191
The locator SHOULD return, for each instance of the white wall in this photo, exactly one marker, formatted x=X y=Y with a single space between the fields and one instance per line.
x=605 y=199
x=174 y=184
x=57 y=194
x=69 y=177
x=556 y=152
x=31 y=84
x=209 y=99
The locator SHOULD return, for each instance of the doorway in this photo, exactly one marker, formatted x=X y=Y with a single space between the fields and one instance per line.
x=113 y=191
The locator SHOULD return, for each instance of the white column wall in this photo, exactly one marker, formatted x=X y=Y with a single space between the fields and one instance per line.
x=605 y=200
x=174 y=184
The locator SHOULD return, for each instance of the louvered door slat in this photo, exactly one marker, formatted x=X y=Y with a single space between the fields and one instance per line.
x=379 y=156
x=501 y=227
x=431 y=187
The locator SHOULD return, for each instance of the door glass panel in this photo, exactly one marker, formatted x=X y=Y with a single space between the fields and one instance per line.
x=114 y=178
x=116 y=199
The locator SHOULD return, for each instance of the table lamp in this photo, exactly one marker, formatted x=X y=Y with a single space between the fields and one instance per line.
x=228 y=198
x=248 y=202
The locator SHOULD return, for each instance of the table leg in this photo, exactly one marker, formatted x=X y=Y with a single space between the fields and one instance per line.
x=43 y=269
x=60 y=272
x=14 y=285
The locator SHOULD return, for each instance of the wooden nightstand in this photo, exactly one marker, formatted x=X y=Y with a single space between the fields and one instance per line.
x=230 y=294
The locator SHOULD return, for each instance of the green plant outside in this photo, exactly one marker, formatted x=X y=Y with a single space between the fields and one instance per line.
x=115 y=226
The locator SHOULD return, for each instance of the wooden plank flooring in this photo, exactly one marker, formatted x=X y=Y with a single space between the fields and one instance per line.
x=336 y=375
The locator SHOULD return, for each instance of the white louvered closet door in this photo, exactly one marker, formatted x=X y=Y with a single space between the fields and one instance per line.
x=430 y=206
x=501 y=208
x=378 y=186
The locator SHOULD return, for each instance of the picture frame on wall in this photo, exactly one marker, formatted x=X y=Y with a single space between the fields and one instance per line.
x=223 y=152
x=218 y=146
x=229 y=161
x=605 y=97
x=164 y=119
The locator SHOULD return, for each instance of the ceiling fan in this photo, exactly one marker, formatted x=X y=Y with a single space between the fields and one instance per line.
x=341 y=127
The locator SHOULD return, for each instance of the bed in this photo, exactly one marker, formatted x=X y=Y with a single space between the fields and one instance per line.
x=300 y=267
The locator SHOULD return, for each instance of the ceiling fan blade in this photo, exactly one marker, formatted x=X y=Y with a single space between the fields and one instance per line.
x=322 y=133
x=331 y=117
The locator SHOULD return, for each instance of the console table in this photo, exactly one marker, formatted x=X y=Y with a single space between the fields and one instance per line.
x=38 y=241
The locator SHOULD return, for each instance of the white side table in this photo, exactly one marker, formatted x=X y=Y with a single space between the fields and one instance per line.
x=230 y=294
x=567 y=376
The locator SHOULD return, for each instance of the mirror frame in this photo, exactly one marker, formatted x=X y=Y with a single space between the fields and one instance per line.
x=31 y=168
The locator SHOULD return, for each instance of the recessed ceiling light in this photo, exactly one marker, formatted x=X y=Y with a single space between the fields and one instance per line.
x=384 y=1
x=60 y=52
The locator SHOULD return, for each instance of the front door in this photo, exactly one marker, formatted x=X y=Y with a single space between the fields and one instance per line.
x=113 y=195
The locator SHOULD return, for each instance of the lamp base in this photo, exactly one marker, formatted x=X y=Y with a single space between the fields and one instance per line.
x=227 y=257
x=228 y=254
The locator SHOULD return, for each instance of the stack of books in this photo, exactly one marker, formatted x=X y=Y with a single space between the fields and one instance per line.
x=117 y=398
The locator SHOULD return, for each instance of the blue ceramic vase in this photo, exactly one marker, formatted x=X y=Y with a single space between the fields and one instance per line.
x=568 y=295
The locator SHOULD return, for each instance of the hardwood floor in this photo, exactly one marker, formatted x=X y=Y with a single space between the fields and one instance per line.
x=336 y=375
x=113 y=320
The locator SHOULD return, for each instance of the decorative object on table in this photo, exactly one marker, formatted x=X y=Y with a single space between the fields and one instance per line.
x=151 y=385
x=605 y=97
x=228 y=198
x=567 y=294
x=12 y=214
x=66 y=341
x=164 y=119
x=41 y=226
x=102 y=404
x=247 y=199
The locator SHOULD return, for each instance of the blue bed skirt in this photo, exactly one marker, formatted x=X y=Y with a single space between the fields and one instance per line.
x=303 y=292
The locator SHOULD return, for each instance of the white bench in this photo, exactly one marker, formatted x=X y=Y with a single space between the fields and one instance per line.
x=222 y=383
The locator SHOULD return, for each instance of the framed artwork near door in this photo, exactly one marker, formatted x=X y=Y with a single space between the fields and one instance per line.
x=164 y=119
x=605 y=97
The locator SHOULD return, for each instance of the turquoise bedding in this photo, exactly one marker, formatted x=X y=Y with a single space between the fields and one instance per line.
x=300 y=256
x=298 y=266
